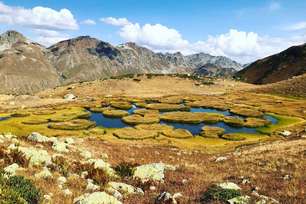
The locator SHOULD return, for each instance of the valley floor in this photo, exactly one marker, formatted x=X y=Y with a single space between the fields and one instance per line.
x=268 y=168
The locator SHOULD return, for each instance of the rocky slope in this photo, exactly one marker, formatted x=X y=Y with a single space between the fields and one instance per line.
x=282 y=66
x=23 y=66
x=27 y=67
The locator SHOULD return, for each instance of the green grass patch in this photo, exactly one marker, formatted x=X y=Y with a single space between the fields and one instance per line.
x=283 y=122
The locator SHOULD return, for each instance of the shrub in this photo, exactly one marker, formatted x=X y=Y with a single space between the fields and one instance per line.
x=8 y=196
x=219 y=194
x=125 y=169
x=25 y=188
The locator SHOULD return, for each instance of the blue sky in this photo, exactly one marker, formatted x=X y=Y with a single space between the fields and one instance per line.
x=240 y=29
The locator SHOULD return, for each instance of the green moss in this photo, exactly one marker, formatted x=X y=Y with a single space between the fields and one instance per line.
x=121 y=105
x=146 y=111
x=135 y=134
x=189 y=117
x=155 y=127
x=35 y=121
x=233 y=121
x=115 y=113
x=233 y=137
x=177 y=133
x=78 y=124
x=246 y=111
x=167 y=107
x=283 y=122
x=136 y=119
x=212 y=132
x=20 y=114
x=256 y=122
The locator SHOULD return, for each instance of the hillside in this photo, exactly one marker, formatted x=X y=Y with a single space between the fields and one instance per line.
x=292 y=87
x=27 y=67
x=23 y=66
x=278 y=67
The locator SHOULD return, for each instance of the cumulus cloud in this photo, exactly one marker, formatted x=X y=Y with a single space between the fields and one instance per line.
x=49 y=37
x=241 y=46
x=38 y=17
x=115 y=21
x=88 y=22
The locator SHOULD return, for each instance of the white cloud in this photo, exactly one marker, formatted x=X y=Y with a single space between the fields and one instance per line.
x=88 y=22
x=297 y=26
x=49 y=37
x=38 y=17
x=157 y=36
x=115 y=21
x=241 y=46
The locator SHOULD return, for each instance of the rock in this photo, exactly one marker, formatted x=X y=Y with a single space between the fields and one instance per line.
x=100 y=164
x=67 y=192
x=47 y=199
x=240 y=200
x=220 y=159
x=35 y=156
x=61 y=180
x=124 y=188
x=69 y=97
x=91 y=186
x=154 y=171
x=229 y=185
x=86 y=154
x=12 y=147
x=11 y=169
x=84 y=174
x=45 y=174
x=37 y=137
x=287 y=177
x=184 y=181
x=69 y=140
x=167 y=198
x=60 y=147
x=285 y=133
x=266 y=200
x=152 y=188
x=96 y=198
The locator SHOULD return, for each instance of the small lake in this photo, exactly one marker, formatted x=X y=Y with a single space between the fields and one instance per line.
x=195 y=129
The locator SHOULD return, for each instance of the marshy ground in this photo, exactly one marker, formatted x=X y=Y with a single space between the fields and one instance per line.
x=269 y=160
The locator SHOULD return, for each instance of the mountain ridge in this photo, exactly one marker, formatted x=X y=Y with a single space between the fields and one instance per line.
x=85 y=58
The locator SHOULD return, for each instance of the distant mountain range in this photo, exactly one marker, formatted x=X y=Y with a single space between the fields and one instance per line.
x=282 y=66
x=28 y=67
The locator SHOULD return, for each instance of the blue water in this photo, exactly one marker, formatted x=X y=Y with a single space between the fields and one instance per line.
x=4 y=118
x=195 y=129
x=107 y=122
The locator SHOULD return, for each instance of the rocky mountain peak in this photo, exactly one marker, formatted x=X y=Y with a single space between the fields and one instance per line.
x=9 y=38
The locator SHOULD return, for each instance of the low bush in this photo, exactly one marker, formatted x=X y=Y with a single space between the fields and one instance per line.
x=216 y=193
x=125 y=169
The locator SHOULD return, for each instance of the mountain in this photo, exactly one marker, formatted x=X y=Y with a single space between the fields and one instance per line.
x=281 y=66
x=214 y=70
x=23 y=65
x=27 y=67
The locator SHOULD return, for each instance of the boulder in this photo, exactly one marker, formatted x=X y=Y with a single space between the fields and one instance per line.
x=37 y=137
x=45 y=174
x=35 y=156
x=69 y=140
x=11 y=169
x=86 y=154
x=100 y=164
x=123 y=188
x=167 y=198
x=154 y=171
x=240 y=200
x=69 y=97
x=91 y=186
x=96 y=198
x=229 y=185
x=60 y=147
x=286 y=133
